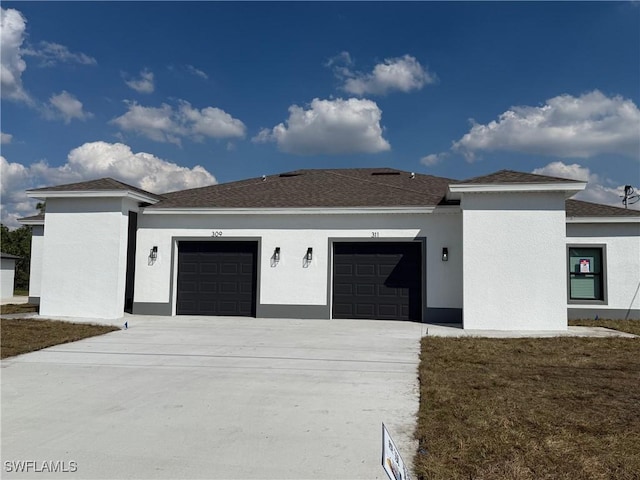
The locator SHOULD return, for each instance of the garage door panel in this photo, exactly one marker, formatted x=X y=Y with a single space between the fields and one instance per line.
x=390 y=310
x=365 y=290
x=343 y=269
x=208 y=287
x=207 y=267
x=343 y=310
x=377 y=280
x=384 y=291
x=343 y=289
x=366 y=310
x=217 y=278
x=365 y=270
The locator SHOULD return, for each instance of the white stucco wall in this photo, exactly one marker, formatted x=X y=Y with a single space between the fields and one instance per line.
x=622 y=247
x=7 y=277
x=35 y=268
x=514 y=261
x=289 y=282
x=84 y=257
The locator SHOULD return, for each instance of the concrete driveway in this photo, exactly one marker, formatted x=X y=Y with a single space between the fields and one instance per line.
x=196 y=397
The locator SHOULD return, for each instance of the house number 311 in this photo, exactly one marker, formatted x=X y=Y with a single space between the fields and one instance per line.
x=375 y=234
x=217 y=233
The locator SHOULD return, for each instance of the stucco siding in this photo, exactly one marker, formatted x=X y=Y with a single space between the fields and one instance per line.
x=622 y=266
x=514 y=260
x=292 y=281
x=35 y=268
x=83 y=257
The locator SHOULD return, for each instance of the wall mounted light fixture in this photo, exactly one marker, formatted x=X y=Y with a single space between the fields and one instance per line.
x=445 y=254
x=309 y=254
x=153 y=254
x=276 y=254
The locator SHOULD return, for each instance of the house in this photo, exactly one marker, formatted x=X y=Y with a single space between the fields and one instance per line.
x=503 y=251
x=8 y=272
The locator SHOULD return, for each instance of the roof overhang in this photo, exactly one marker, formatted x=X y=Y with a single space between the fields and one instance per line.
x=27 y=221
x=289 y=211
x=568 y=188
x=137 y=196
x=611 y=219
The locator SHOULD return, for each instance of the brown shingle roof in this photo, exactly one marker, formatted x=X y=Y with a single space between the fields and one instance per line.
x=578 y=208
x=357 y=187
x=511 y=176
x=105 y=184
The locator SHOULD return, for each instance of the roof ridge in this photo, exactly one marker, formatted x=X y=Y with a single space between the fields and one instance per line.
x=516 y=172
x=377 y=183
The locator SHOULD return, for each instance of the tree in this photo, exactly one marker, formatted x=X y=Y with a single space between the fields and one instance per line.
x=18 y=242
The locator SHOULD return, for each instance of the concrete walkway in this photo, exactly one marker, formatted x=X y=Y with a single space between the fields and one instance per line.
x=444 y=330
x=193 y=397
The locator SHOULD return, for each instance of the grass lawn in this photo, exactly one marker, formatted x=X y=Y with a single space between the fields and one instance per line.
x=19 y=336
x=547 y=408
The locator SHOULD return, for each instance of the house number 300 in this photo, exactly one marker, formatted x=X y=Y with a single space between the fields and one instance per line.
x=217 y=233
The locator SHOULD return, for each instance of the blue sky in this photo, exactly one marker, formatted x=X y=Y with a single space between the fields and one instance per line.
x=168 y=95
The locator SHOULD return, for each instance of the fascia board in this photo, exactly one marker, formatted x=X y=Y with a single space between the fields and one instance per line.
x=571 y=188
x=603 y=219
x=31 y=222
x=288 y=211
x=42 y=195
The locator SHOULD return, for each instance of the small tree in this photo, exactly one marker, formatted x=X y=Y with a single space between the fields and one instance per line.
x=18 y=242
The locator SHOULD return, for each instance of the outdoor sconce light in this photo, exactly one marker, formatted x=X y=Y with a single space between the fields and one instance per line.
x=309 y=254
x=445 y=254
x=153 y=254
x=276 y=254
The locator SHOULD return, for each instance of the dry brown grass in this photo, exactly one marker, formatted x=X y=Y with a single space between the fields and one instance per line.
x=18 y=308
x=22 y=335
x=554 y=408
x=629 y=326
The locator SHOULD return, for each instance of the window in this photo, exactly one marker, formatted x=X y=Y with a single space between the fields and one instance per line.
x=586 y=274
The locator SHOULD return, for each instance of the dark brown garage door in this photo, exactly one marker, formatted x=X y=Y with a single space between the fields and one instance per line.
x=377 y=281
x=217 y=278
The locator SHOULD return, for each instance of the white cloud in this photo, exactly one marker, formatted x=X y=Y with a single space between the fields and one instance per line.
x=565 y=126
x=5 y=138
x=329 y=127
x=151 y=122
x=197 y=72
x=144 y=84
x=66 y=106
x=210 y=122
x=51 y=54
x=598 y=190
x=403 y=74
x=91 y=161
x=12 y=66
x=164 y=124
x=433 y=159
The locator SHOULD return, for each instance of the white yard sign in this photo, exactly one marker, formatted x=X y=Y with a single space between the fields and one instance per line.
x=391 y=460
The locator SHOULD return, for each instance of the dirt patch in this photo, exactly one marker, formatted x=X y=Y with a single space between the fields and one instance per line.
x=561 y=408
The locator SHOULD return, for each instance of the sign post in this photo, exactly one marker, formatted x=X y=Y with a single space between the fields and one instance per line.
x=391 y=459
